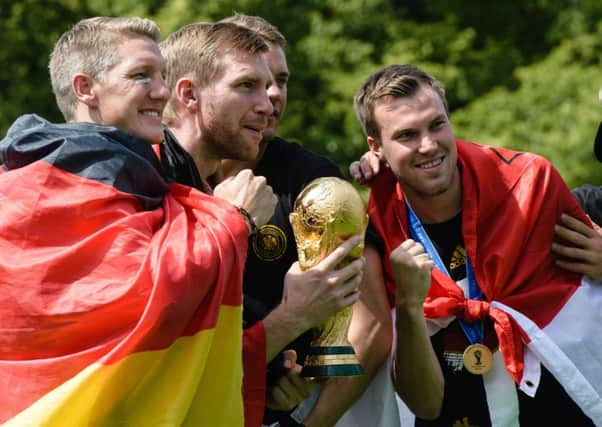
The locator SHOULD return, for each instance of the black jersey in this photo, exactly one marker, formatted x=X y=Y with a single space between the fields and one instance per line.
x=288 y=168
x=465 y=402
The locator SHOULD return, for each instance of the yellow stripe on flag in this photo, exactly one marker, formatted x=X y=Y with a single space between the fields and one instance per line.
x=197 y=381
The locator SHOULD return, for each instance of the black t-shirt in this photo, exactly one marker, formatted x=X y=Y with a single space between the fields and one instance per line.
x=288 y=168
x=590 y=199
x=465 y=402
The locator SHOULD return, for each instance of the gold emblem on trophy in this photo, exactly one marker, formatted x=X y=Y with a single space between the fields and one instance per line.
x=327 y=212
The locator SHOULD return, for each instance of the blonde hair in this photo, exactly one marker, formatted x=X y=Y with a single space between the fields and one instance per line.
x=267 y=31
x=398 y=81
x=194 y=51
x=90 y=47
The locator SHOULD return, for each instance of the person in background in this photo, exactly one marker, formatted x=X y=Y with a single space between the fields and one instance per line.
x=579 y=248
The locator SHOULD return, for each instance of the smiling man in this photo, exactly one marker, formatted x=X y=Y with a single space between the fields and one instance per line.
x=495 y=333
x=122 y=87
x=121 y=291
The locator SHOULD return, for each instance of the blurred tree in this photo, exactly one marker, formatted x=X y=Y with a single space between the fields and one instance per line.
x=553 y=112
x=28 y=31
x=499 y=63
x=27 y=35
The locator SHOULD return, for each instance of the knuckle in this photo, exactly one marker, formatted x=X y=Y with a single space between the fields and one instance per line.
x=331 y=281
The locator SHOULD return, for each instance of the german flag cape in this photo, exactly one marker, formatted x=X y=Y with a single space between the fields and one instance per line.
x=511 y=202
x=120 y=294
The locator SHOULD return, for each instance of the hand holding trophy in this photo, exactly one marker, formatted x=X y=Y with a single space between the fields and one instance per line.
x=327 y=212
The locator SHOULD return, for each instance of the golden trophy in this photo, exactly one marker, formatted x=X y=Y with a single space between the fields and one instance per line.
x=327 y=212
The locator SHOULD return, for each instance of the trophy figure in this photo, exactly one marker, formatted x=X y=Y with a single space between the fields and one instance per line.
x=328 y=211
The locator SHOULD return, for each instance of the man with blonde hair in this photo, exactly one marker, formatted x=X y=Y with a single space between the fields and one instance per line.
x=71 y=54
x=278 y=309
x=121 y=291
x=219 y=105
x=220 y=109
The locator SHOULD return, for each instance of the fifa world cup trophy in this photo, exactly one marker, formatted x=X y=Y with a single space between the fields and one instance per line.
x=328 y=211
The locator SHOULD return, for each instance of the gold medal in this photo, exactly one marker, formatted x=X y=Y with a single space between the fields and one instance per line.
x=478 y=359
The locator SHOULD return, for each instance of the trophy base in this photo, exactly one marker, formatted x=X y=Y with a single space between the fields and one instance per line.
x=337 y=361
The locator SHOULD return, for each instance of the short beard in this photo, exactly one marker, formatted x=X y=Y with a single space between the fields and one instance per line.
x=230 y=149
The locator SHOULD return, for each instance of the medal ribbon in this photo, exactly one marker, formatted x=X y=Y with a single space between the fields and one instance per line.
x=472 y=330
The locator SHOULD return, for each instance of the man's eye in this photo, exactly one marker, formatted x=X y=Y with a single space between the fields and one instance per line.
x=404 y=136
x=437 y=124
x=141 y=78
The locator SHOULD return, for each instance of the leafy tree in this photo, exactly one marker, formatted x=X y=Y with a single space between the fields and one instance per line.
x=28 y=31
x=520 y=74
x=27 y=36
x=553 y=112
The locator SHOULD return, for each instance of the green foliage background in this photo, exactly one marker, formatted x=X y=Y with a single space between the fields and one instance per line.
x=521 y=74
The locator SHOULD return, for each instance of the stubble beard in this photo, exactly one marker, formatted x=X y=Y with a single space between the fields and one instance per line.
x=228 y=144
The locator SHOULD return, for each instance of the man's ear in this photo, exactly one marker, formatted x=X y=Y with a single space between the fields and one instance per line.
x=375 y=147
x=81 y=84
x=186 y=94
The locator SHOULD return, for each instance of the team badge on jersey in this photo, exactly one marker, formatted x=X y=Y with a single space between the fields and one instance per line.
x=269 y=243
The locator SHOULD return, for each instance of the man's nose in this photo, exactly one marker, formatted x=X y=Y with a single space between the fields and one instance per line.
x=264 y=104
x=274 y=93
x=160 y=90
x=427 y=143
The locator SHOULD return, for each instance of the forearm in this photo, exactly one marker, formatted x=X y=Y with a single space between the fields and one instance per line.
x=336 y=396
x=417 y=375
x=339 y=394
x=370 y=334
x=282 y=326
x=311 y=296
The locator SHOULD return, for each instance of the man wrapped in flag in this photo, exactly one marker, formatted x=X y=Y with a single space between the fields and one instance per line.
x=120 y=292
x=496 y=334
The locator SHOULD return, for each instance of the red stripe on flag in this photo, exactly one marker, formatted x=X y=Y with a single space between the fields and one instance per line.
x=87 y=276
